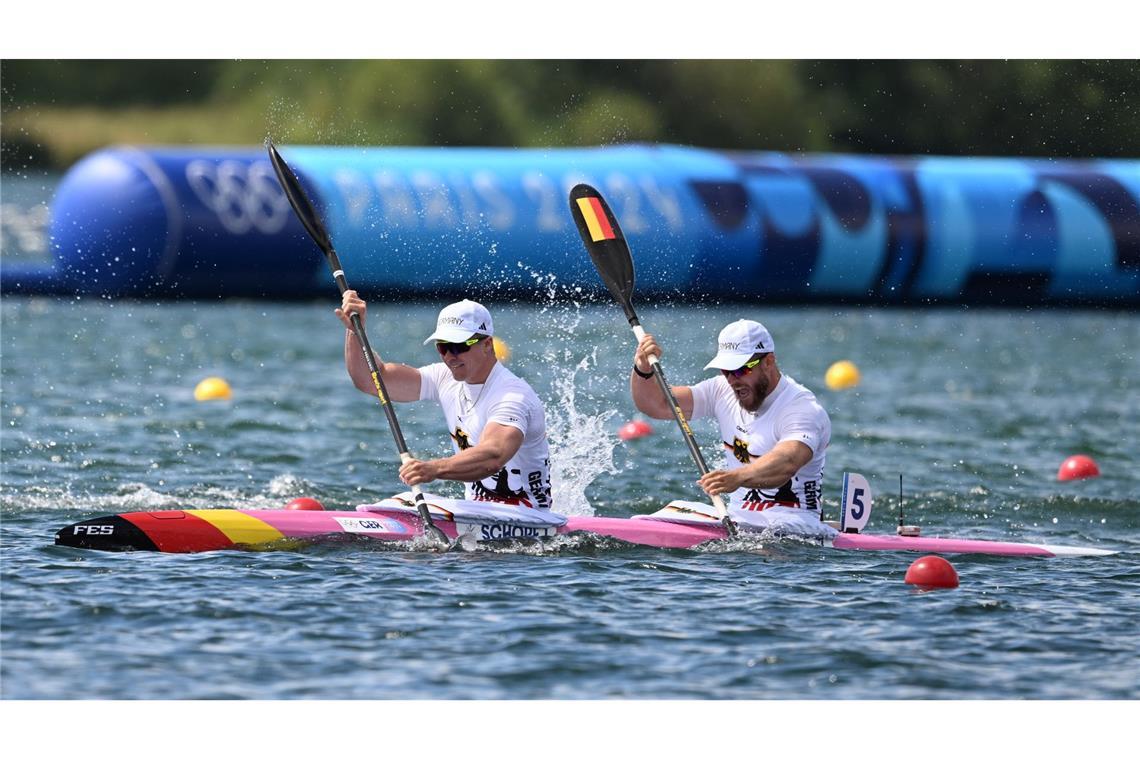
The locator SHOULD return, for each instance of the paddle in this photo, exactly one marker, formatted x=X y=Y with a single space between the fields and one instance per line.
x=614 y=262
x=311 y=220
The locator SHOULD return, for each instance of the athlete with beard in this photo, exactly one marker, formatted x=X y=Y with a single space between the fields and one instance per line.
x=496 y=421
x=775 y=432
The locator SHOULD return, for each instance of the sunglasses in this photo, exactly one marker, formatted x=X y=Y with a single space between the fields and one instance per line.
x=745 y=370
x=455 y=349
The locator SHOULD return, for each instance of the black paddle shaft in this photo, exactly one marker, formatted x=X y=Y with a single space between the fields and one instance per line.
x=610 y=253
x=311 y=220
x=678 y=415
x=306 y=212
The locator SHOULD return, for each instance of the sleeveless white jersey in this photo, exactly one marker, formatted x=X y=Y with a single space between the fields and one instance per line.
x=508 y=400
x=789 y=413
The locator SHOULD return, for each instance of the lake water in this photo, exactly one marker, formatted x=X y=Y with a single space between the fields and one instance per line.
x=977 y=409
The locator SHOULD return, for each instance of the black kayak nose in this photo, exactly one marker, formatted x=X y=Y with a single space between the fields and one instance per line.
x=111 y=533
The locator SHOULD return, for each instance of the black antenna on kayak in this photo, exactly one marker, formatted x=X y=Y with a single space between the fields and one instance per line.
x=900 y=504
x=903 y=529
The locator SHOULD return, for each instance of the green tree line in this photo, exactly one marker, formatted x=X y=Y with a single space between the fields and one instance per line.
x=56 y=111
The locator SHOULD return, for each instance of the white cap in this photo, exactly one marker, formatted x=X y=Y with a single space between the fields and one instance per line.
x=460 y=321
x=737 y=343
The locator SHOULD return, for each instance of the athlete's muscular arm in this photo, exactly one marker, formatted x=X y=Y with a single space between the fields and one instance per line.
x=773 y=469
x=647 y=395
x=401 y=381
x=497 y=444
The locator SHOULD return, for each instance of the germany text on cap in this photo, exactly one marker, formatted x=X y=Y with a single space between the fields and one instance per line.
x=737 y=343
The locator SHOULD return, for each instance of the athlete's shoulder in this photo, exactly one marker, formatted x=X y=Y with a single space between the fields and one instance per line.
x=437 y=373
x=799 y=390
x=713 y=386
x=713 y=397
x=801 y=398
x=511 y=384
x=508 y=379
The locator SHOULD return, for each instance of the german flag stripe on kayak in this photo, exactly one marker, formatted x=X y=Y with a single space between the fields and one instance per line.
x=594 y=214
x=178 y=531
x=239 y=527
x=191 y=530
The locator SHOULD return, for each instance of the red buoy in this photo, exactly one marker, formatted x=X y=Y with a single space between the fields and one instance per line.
x=931 y=572
x=634 y=429
x=1078 y=467
x=305 y=502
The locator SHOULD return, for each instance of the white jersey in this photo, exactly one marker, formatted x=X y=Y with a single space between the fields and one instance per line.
x=789 y=413
x=508 y=400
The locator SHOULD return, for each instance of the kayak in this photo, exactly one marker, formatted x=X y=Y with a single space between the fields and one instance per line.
x=199 y=530
x=678 y=525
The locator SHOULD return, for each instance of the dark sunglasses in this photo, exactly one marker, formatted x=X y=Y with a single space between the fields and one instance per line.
x=455 y=349
x=746 y=369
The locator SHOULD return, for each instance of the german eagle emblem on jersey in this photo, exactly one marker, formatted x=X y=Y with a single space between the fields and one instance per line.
x=739 y=450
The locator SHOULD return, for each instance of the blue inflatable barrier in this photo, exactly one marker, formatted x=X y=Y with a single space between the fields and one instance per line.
x=180 y=222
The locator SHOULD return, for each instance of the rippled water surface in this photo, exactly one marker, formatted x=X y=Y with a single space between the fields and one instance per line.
x=976 y=409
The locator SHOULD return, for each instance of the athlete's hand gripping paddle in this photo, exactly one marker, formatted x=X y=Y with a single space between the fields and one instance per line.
x=311 y=220
x=614 y=262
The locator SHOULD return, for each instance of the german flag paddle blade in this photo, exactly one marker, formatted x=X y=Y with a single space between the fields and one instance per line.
x=605 y=243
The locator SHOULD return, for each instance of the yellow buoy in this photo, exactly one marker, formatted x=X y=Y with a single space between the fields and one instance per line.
x=842 y=375
x=502 y=350
x=212 y=388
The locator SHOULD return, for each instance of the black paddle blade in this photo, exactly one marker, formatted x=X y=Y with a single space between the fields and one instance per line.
x=606 y=244
x=299 y=200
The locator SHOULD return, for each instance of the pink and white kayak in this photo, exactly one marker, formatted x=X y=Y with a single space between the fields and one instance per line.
x=680 y=525
x=199 y=530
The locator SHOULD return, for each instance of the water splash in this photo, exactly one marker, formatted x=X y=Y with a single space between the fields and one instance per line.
x=141 y=497
x=581 y=444
x=127 y=497
x=582 y=447
x=289 y=486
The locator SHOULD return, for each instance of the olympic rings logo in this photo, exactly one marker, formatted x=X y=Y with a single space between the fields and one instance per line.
x=245 y=196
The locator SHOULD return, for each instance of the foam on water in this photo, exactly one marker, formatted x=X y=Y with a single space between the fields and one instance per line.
x=288 y=486
x=581 y=443
x=582 y=446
